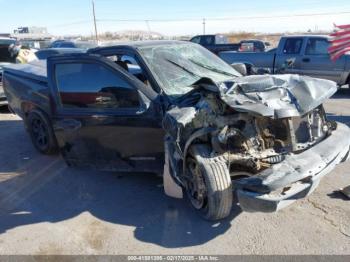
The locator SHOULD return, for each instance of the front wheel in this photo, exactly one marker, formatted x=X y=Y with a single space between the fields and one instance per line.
x=208 y=184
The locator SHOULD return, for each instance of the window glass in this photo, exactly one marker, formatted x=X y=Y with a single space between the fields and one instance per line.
x=208 y=40
x=177 y=67
x=129 y=63
x=317 y=46
x=66 y=45
x=87 y=85
x=221 y=39
x=293 y=46
x=196 y=40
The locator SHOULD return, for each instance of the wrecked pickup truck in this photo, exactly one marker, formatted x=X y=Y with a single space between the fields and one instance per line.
x=184 y=113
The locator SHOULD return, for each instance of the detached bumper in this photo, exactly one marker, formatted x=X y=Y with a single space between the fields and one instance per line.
x=294 y=178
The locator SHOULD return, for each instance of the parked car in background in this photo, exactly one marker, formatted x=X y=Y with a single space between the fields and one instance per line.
x=62 y=44
x=297 y=54
x=5 y=59
x=215 y=43
x=72 y=44
x=253 y=45
x=45 y=53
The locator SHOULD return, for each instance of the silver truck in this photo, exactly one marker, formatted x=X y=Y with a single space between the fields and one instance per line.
x=297 y=54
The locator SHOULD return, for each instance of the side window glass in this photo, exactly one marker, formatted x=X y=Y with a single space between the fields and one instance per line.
x=208 y=40
x=220 y=39
x=88 y=85
x=196 y=40
x=292 y=46
x=316 y=46
x=130 y=64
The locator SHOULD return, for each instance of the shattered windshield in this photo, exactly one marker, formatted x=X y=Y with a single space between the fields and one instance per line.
x=178 y=67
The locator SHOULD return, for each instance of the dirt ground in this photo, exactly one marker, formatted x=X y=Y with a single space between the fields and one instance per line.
x=48 y=208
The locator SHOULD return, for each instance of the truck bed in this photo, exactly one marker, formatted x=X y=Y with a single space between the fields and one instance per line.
x=26 y=85
x=36 y=70
x=262 y=60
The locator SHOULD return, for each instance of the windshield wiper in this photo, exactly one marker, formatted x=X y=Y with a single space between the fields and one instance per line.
x=212 y=68
x=182 y=67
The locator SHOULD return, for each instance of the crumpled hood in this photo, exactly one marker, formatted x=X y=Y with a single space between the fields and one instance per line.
x=276 y=96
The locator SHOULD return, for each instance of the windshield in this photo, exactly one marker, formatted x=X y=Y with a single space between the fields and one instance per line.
x=178 y=67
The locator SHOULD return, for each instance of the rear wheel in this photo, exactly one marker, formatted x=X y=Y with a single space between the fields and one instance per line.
x=41 y=133
x=208 y=184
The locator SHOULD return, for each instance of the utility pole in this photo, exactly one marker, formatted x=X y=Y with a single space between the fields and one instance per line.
x=149 y=30
x=203 y=26
x=94 y=15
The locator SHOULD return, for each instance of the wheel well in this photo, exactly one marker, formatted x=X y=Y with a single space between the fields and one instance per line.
x=28 y=107
x=197 y=134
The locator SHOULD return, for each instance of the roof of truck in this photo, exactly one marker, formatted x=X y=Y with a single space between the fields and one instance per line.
x=36 y=70
x=306 y=35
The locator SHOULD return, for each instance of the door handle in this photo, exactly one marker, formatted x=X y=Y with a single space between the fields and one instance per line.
x=306 y=60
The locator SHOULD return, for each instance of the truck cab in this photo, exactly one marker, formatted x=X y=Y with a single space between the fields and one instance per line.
x=308 y=55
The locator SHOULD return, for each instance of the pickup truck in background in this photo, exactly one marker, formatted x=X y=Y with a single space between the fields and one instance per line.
x=297 y=54
x=215 y=43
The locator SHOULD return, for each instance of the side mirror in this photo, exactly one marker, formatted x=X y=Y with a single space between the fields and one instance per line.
x=240 y=68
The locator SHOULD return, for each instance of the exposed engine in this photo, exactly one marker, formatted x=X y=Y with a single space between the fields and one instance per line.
x=254 y=143
x=247 y=142
x=251 y=124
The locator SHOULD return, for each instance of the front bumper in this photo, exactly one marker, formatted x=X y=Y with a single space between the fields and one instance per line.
x=294 y=178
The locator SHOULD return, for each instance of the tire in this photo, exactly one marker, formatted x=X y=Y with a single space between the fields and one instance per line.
x=41 y=133
x=216 y=202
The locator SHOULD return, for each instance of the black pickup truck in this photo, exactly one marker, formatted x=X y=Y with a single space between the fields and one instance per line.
x=182 y=112
x=215 y=43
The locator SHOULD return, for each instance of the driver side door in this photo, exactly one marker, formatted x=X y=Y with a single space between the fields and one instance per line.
x=103 y=117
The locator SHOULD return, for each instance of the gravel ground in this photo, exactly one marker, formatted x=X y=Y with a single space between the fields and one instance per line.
x=48 y=208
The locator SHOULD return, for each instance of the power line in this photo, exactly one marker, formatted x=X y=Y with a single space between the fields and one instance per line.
x=223 y=18
x=232 y=10
x=201 y=19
